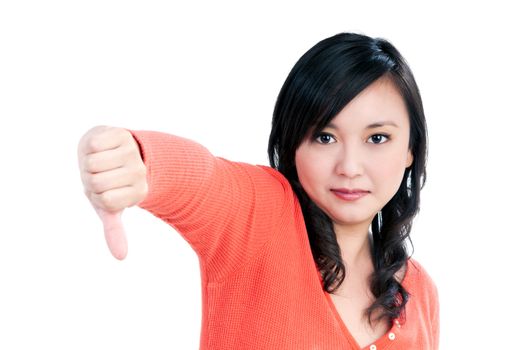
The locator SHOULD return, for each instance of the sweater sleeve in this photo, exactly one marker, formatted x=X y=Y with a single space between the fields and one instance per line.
x=225 y=210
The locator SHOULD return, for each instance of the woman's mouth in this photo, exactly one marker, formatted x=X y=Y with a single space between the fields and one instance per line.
x=349 y=195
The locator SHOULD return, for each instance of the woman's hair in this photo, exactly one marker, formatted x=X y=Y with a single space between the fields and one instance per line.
x=322 y=82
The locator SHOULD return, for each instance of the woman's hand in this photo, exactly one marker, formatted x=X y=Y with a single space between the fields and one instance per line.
x=114 y=178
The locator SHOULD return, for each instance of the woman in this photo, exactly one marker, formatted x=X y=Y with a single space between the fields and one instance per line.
x=308 y=254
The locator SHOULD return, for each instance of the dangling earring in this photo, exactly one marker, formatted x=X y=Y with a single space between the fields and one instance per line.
x=379 y=220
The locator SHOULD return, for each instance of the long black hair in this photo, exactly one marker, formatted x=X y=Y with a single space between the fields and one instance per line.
x=324 y=80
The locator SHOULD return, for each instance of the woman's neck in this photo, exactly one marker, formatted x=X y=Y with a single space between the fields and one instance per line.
x=355 y=246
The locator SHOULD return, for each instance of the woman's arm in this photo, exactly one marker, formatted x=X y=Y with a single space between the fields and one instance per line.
x=226 y=210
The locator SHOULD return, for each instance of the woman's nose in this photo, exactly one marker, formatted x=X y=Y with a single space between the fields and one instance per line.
x=350 y=163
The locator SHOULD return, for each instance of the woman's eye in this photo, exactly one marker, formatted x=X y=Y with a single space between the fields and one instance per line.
x=379 y=138
x=325 y=138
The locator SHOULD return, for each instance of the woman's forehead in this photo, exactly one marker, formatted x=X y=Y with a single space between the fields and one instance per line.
x=380 y=104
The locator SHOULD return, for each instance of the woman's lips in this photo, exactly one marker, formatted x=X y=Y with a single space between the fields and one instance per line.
x=349 y=195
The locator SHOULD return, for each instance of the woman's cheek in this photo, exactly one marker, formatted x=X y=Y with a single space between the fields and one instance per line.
x=389 y=174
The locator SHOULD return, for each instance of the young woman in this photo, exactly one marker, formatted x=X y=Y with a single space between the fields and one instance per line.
x=311 y=252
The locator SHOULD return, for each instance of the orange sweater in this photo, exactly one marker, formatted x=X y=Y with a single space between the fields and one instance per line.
x=260 y=285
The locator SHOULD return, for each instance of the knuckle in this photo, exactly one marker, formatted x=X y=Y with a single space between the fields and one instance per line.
x=96 y=199
x=93 y=143
x=95 y=183
x=89 y=163
x=98 y=128
x=107 y=200
x=89 y=141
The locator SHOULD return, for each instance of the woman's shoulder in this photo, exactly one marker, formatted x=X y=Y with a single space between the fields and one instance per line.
x=417 y=280
x=423 y=305
x=277 y=177
x=274 y=173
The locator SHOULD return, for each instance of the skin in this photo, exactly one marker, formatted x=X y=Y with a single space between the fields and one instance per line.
x=351 y=154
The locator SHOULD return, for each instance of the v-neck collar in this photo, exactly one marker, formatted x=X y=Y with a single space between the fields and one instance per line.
x=385 y=342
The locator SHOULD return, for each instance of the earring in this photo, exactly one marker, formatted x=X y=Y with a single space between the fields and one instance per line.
x=379 y=220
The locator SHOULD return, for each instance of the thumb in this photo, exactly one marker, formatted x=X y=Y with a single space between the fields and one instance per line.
x=114 y=232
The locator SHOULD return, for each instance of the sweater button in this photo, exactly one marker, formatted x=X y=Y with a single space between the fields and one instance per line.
x=391 y=336
x=373 y=347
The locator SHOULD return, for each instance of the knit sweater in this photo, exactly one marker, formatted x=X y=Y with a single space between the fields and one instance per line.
x=261 y=288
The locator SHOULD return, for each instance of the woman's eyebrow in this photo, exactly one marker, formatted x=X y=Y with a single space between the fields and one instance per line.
x=371 y=126
x=381 y=123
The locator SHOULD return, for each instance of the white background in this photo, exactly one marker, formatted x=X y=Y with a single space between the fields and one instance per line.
x=211 y=71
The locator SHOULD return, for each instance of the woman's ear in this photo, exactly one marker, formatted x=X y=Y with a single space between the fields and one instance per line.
x=409 y=158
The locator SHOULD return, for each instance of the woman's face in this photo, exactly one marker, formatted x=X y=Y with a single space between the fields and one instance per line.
x=355 y=165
